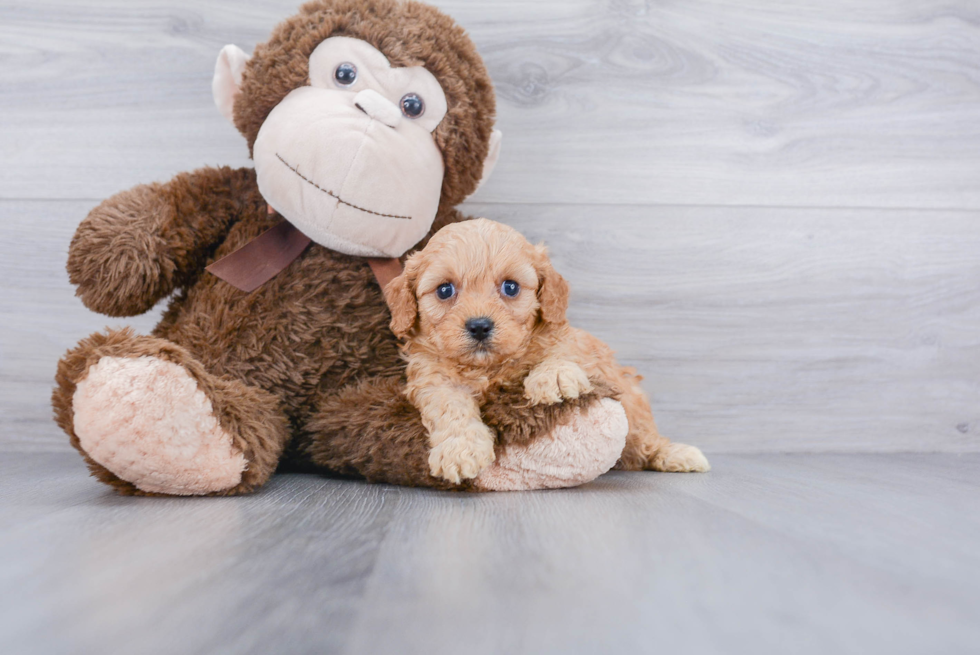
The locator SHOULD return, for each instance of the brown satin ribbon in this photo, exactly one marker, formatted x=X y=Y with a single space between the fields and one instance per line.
x=385 y=270
x=262 y=258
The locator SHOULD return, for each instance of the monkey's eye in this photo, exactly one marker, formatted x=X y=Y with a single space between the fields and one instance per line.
x=445 y=291
x=412 y=105
x=345 y=74
x=510 y=288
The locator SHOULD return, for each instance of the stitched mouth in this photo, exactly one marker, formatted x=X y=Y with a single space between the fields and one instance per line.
x=335 y=196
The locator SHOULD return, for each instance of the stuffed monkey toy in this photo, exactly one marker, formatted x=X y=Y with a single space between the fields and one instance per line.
x=368 y=121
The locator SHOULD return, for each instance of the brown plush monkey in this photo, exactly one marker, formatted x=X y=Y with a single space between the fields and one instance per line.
x=368 y=121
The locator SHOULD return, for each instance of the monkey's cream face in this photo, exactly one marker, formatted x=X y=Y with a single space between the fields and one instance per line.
x=350 y=159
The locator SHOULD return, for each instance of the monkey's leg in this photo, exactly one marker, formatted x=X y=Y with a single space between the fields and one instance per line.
x=149 y=419
x=371 y=430
x=646 y=448
x=552 y=446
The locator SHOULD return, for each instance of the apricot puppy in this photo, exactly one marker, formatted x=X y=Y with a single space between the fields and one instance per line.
x=480 y=306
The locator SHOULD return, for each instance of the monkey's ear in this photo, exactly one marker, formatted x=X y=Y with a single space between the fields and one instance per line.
x=552 y=289
x=401 y=302
x=228 y=79
x=496 y=137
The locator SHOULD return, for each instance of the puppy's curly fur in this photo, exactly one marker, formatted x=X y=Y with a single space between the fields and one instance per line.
x=480 y=308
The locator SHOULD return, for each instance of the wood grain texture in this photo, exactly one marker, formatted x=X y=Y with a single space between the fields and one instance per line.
x=782 y=330
x=756 y=329
x=635 y=134
x=759 y=102
x=765 y=554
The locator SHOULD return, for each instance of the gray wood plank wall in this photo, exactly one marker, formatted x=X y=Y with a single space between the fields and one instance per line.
x=770 y=207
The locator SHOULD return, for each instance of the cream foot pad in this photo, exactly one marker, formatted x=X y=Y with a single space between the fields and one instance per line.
x=146 y=420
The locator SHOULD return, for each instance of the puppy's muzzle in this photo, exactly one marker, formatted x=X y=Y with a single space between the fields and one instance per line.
x=479 y=329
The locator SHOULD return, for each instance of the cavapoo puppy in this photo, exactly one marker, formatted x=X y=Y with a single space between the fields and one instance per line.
x=481 y=306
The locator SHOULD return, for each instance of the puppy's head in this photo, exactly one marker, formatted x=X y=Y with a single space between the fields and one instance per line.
x=476 y=293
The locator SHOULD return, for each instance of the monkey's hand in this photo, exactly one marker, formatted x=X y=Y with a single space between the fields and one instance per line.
x=118 y=260
x=462 y=455
x=139 y=245
x=554 y=380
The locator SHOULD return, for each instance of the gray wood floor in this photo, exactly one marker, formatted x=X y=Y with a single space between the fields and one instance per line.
x=765 y=554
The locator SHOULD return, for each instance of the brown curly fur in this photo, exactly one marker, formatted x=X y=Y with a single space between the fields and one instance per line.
x=309 y=350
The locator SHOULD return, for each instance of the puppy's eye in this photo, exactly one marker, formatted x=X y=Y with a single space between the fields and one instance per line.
x=510 y=288
x=412 y=105
x=345 y=74
x=445 y=291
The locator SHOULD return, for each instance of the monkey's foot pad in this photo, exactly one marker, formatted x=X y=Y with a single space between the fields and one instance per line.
x=576 y=453
x=146 y=420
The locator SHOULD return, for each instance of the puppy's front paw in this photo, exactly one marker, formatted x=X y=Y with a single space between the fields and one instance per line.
x=462 y=456
x=552 y=382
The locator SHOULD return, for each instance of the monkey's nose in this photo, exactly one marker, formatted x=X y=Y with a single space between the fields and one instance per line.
x=479 y=328
x=378 y=107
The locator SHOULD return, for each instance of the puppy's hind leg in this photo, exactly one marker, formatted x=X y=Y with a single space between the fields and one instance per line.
x=679 y=458
x=646 y=448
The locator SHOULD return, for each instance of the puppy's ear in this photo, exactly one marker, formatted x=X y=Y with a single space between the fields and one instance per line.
x=552 y=289
x=400 y=297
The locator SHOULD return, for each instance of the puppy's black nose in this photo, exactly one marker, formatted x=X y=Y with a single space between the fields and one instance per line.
x=479 y=328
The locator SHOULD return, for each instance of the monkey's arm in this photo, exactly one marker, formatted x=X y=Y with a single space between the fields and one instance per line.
x=139 y=245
